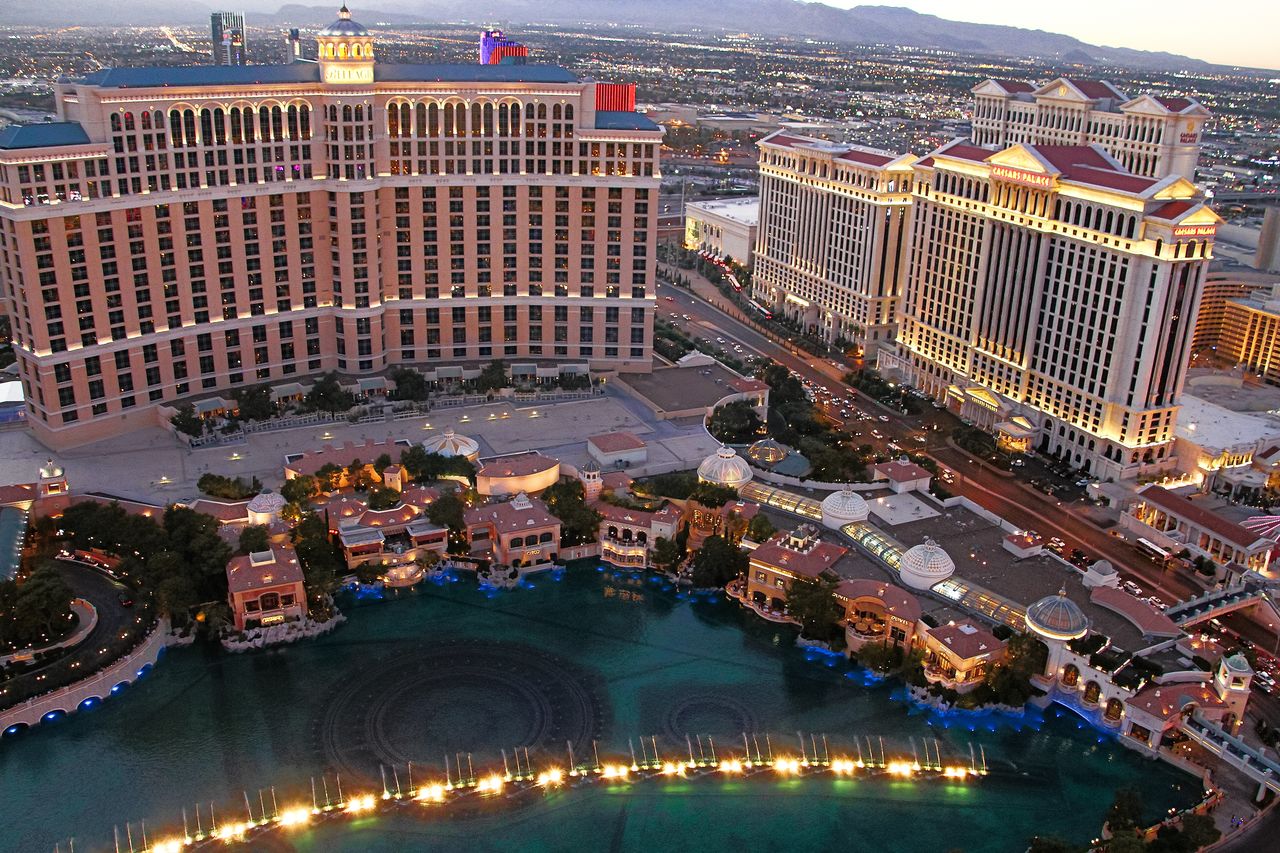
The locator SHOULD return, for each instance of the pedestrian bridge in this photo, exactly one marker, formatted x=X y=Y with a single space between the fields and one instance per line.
x=1231 y=749
x=1219 y=602
x=88 y=692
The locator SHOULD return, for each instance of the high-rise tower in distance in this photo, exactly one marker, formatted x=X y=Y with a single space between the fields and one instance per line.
x=227 y=38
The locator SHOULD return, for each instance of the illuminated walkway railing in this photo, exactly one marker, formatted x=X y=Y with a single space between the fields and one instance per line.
x=781 y=499
x=888 y=551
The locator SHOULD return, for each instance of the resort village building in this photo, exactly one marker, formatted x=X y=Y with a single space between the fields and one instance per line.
x=1154 y=136
x=181 y=232
x=266 y=588
x=627 y=536
x=959 y=655
x=518 y=532
x=786 y=558
x=393 y=539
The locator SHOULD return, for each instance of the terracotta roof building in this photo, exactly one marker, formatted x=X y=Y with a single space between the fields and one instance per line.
x=266 y=588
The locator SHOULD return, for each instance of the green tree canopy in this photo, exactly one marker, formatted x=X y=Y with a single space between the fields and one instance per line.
x=492 y=377
x=300 y=489
x=735 y=423
x=409 y=384
x=448 y=511
x=760 y=528
x=383 y=498
x=667 y=553
x=422 y=465
x=328 y=395
x=716 y=563
x=254 y=403
x=254 y=539
x=813 y=603
x=579 y=523
x=228 y=488
x=185 y=420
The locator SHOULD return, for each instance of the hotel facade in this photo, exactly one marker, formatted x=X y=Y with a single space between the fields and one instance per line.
x=182 y=232
x=833 y=223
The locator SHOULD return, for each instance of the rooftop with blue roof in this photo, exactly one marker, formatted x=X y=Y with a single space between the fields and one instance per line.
x=43 y=135
x=309 y=72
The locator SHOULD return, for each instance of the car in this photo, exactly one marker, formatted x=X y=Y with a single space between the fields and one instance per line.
x=1018 y=463
x=844 y=413
x=670 y=298
x=686 y=316
x=125 y=599
x=884 y=419
x=1082 y=483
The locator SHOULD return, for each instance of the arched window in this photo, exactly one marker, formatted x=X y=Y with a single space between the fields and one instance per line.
x=556 y=113
x=293 y=121
x=448 y=120
x=146 y=121
x=542 y=112
x=237 y=129
x=568 y=112
x=115 y=122
x=359 y=113
x=269 y=601
x=545 y=537
x=356 y=51
x=342 y=50
x=347 y=113
x=433 y=120
x=128 y=121
x=477 y=119
x=175 y=128
x=277 y=124
x=420 y=122
x=219 y=127
x=304 y=121
x=517 y=541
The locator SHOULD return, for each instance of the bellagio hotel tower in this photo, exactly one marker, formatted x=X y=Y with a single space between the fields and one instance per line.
x=182 y=232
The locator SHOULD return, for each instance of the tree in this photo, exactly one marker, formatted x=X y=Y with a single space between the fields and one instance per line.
x=492 y=377
x=735 y=423
x=448 y=511
x=382 y=463
x=383 y=498
x=329 y=476
x=254 y=403
x=1198 y=831
x=328 y=395
x=760 y=529
x=36 y=610
x=254 y=539
x=1126 y=810
x=228 y=488
x=410 y=384
x=319 y=559
x=813 y=603
x=422 y=465
x=880 y=657
x=667 y=554
x=300 y=489
x=716 y=563
x=579 y=523
x=1126 y=842
x=713 y=496
x=185 y=420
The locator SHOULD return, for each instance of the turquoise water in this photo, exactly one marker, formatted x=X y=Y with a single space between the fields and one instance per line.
x=11 y=527
x=450 y=669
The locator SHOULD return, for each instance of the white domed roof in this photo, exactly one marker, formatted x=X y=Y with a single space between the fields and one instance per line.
x=1057 y=618
x=725 y=468
x=844 y=507
x=449 y=443
x=925 y=564
x=267 y=502
x=344 y=26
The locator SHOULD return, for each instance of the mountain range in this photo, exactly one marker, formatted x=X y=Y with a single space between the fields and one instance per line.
x=864 y=25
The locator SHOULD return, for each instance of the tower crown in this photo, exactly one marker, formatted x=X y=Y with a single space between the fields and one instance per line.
x=345 y=51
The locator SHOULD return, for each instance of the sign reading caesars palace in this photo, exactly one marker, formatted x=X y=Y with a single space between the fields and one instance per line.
x=1021 y=176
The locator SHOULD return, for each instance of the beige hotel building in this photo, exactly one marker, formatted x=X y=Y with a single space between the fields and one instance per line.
x=181 y=232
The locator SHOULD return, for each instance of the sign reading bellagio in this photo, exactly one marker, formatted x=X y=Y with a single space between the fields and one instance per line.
x=1195 y=230
x=348 y=73
x=1021 y=176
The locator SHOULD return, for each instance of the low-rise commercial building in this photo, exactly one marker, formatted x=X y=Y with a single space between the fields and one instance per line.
x=959 y=655
x=1174 y=522
x=266 y=588
x=518 y=532
x=723 y=228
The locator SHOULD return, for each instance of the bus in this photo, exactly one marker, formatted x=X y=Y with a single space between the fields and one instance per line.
x=761 y=310
x=1153 y=550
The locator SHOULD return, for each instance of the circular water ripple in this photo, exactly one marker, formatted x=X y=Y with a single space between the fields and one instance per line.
x=439 y=699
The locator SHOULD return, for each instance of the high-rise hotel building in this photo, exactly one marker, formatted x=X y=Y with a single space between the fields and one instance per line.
x=1150 y=135
x=829 y=244
x=1051 y=297
x=181 y=232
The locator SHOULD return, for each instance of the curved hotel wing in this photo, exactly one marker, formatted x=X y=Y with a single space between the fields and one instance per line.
x=182 y=232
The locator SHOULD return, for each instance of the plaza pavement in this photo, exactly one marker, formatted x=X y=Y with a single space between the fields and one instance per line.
x=154 y=466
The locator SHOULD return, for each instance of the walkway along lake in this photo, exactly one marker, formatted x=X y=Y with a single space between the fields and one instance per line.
x=575 y=656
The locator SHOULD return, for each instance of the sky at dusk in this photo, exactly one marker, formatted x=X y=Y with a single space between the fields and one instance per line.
x=1231 y=32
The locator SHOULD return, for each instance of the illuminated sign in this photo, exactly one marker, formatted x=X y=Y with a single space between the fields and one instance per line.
x=1020 y=176
x=343 y=74
x=1195 y=231
x=1187 y=138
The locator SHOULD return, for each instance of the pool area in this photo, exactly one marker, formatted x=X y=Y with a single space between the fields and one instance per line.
x=13 y=524
x=575 y=657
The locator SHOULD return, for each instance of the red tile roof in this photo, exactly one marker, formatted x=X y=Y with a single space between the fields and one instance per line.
x=901 y=472
x=1197 y=515
x=1177 y=105
x=819 y=558
x=616 y=442
x=967 y=639
x=1097 y=89
x=1143 y=616
x=896 y=600
x=961 y=151
x=1014 y=86
x=17 y=493
x=868 y=157
x=1066 y=157
x=784 y=141
x=1173 y=209
x=747 y=385
x=1167 y=700
x=512 y=516
x=224 y=511
x=516 y=465
x=244 y=575
x=1109 y=178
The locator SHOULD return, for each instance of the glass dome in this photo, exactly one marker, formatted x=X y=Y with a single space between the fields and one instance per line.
x=725 y=468
x=344 y=26
x=766 y=451
x=925 y=564
x=1057 y=617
